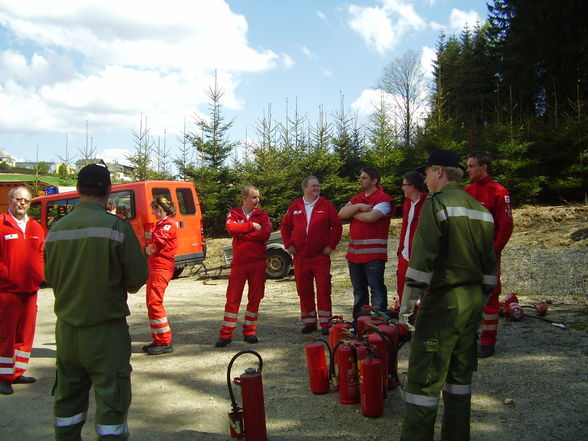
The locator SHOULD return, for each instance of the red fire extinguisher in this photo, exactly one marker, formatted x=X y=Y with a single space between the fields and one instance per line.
x=383 y=340
x=344 y=372
x=247 y=422
x=339 y=329
x=370 y=386
x=318 y=374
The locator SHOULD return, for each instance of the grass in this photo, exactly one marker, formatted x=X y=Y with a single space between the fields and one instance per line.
x=53 y=180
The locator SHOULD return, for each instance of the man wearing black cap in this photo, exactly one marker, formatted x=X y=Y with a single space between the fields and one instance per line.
x=452 y=269
x=92 y=260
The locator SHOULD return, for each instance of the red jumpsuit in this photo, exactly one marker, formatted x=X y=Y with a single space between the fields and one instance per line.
x=161 y=269
x=402 y=262
x=310 y=263
x=21 y=274
x=248 y=265
x=495 y=198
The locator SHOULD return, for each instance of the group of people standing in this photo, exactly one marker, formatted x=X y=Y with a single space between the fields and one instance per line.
x=448 y=257
x=92 y=260
x=448 y=263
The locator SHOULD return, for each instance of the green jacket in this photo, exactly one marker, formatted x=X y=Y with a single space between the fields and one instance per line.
x=453 y=244
x=92 y=259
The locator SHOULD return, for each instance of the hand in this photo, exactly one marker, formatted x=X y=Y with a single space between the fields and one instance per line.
x=256 y=226
x=404 y=320
x=291 y=249
x=327 y=251
x=364 y=207
x=150 y=250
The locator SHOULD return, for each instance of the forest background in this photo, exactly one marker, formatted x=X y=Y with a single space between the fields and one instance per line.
x=514 y=87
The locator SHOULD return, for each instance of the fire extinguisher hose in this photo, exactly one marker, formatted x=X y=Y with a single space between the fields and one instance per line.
x=393 y=354
x=332 y=360
x=557 y=325
x=234 y=405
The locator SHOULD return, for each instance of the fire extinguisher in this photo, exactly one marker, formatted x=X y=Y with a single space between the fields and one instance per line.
x=338 y=329
x=382 y=348
x=247 y=422
x=318 y=373
x=344 y=372
x=370 y=386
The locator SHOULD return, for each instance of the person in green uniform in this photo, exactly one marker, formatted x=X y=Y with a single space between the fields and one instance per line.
x=452 y=270
x=92 y=260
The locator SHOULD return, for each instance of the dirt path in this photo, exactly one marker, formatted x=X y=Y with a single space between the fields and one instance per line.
x=535 y=388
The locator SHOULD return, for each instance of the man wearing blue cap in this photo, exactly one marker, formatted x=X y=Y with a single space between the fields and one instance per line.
x=452 y=269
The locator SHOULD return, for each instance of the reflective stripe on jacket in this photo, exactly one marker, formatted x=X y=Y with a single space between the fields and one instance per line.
x=92 y=259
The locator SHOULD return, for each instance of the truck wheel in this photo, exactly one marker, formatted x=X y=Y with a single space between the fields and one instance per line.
x=177 y=272
x=278 y=264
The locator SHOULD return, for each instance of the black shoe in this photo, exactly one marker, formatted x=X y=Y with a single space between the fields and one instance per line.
x=325 y=330
x=485 y=351
x=6 y=389
x=222 y=342
x=146 y=347
x=160 y=349
x=308 y=329
x=24 y=380
x=251 y=339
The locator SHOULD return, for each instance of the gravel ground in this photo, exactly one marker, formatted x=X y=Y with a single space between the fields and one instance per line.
x=534 y=388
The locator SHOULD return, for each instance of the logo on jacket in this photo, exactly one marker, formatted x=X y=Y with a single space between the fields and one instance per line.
x=297 y=212
x=167 y=227
x=10 y=236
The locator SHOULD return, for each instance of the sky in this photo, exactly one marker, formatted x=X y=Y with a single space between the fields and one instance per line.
x=89 y=73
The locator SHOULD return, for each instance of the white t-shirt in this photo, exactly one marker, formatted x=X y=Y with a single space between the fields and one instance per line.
x=308 y=207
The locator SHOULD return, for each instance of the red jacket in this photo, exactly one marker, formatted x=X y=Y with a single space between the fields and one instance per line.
x=21 y=255
x=165 y=240
x=369 y=241
x=248 y=244
x=324 y=230
x=414 y=224
x=495 y=198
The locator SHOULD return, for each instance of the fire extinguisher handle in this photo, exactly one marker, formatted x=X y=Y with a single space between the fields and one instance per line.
x=234 y=404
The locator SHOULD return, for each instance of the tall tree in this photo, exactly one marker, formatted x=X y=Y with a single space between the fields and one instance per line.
x=404 y=79
x=141 y=159
x=212 y=139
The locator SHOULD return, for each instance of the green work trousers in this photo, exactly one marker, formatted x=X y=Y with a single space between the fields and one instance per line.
x=97 y=356
x=443 y=357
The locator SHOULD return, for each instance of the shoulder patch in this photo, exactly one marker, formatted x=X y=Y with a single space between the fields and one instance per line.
x=507 y=199
x=167 y=227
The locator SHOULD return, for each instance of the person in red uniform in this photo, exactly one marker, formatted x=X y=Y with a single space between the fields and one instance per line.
x=250 y=228
x=161 y=252
x=495 y=198
x=413 y=186
x=311 y=229
x=370 y=212
x=21 y=274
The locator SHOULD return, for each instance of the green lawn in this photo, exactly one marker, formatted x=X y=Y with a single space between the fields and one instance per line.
x=53 y=180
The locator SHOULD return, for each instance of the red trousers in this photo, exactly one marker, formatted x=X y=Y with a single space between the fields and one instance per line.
x=308 y=271
x=401 y=277
x=156 y=283
x=18 y=316
x=254 y=274
x=490 y=317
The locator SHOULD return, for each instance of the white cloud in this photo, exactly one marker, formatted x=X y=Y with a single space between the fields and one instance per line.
x=458 y=20
x=327 y=73
x=383 y=27
x=368 y=101
x=320 y=14
x=427 y=57
x=308 y=53
x=108 y=61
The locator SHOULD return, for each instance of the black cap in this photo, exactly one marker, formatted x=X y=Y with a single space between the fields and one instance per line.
x=94 y=177
x=447 y=158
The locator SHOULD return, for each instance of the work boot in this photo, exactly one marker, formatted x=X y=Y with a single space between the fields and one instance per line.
x=485 y=351
x=147 y=347
x=308 y=329
x=6 y=389
x=251 y=339
x=24 y=380
x=222 y=342
x=160 y=349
